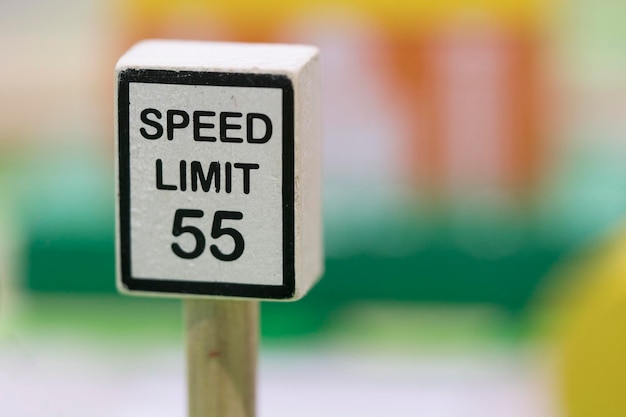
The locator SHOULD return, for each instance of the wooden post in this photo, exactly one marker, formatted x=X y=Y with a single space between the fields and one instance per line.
x=222 y=337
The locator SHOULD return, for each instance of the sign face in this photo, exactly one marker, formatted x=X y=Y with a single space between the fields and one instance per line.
x=206 y=182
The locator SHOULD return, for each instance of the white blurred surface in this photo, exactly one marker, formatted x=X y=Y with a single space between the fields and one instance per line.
x=60 y=378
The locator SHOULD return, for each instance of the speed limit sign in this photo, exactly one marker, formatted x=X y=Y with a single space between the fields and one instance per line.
x=219 y=160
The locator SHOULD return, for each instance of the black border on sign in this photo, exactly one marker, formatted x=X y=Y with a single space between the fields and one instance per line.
x=164 y=286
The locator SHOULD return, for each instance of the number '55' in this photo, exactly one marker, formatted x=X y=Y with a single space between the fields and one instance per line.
x=216 y=231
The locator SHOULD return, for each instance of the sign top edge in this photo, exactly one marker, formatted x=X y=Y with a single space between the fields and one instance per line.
x=217 y=56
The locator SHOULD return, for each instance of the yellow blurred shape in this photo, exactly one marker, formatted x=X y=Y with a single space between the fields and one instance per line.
x=394 y=15
x=592 y=345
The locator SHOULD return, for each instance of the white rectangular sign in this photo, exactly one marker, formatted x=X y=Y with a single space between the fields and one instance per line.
x=207 y=174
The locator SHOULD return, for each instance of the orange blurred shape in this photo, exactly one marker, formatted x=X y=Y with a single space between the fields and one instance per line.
x=472 y=98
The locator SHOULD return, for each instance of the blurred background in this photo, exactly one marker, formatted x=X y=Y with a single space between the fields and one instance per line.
x=474 y=193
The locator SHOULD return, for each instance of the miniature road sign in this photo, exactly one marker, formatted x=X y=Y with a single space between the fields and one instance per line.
x=219 y=184
x=219 y=160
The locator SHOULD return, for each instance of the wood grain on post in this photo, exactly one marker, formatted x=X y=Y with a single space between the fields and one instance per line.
x=222 y=338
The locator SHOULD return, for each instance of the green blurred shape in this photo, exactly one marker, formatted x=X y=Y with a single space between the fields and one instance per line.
x=70 y=264
x=378 y=251
x=65 y=205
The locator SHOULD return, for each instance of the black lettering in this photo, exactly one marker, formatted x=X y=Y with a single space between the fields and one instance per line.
x=218 y=231
x=246 y=174
x=183 y=175
x=229 y=177
x=171 y=125
x=213 y=175
x=178 y=229
x=225 y=126
x=197 y=125
x=159 y=177
x=153 y=123
x=250 y=124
